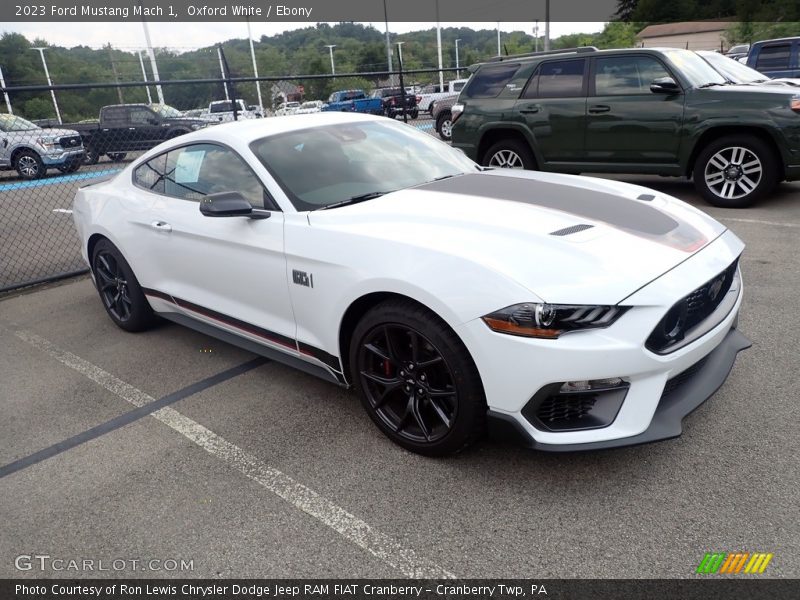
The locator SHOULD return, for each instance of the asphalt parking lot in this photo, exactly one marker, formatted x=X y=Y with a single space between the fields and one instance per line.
x=267 y=472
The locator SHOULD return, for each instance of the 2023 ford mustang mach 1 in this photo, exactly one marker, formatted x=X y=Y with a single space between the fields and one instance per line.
x=577 y=313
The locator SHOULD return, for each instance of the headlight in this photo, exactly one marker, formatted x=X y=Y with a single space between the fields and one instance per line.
x=47 y=142
x=551 y=320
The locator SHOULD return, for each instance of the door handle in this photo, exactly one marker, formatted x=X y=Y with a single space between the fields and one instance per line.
x=599 y=108
x=529 y=110
x=161 y=226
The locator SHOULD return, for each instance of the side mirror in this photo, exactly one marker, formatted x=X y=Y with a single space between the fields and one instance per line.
x=665 y=85
x=230 y=204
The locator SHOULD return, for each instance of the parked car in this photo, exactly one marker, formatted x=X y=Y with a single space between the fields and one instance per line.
x=442 y=116
x=124 y=128
x=738 y=51
x=31 y=150
x=310 y=106
x=578 y=313
x=287 y=108
x=221 y=111
x=776 y=58
x=432 y=93
x=736 y=72
x=640 y=110
x=353 y=101
x=397 y=102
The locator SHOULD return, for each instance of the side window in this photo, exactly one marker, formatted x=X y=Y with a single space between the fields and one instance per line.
x=557 y=79
x=774 y=57
x=457 y=87
x=490 y=81
x=201 y=169
x=114 y=115
x=139 y=115
x=150 y=175
x=624 y=76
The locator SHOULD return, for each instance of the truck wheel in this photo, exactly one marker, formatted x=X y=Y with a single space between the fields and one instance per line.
x=70 y=166
x=444 y=125
x=509 y=154
x=29 y=165
x=91 y=157
x=116 y=156
x=735 y=171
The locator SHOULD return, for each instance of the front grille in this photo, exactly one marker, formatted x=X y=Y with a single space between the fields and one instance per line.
x=690 y=312
x=70 y=141
x=557 y=409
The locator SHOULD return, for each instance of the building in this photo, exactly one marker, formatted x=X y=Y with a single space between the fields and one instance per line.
x=691 y=35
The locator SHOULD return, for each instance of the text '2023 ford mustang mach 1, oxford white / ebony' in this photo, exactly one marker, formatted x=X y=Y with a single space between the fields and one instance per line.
x=577 y=313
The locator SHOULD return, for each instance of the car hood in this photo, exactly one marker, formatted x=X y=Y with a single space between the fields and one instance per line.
x=567 y=239
x=57 y=132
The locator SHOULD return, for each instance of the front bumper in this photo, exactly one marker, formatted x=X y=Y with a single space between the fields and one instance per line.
x=59 y=157
x=674 y=405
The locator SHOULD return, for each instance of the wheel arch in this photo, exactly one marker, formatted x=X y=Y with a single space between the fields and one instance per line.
x=498 y=134
x=715 y=133
x=356 y=311
x=19 y=150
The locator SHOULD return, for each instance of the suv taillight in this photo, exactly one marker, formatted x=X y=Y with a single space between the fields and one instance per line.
x=794 y=104
x=455 y=112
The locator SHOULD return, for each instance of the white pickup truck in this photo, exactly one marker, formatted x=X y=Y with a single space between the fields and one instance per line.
x=222 y=111
x=432 y=93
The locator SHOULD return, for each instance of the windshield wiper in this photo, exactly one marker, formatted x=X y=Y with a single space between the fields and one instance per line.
x=354 y=200
x=711 y=84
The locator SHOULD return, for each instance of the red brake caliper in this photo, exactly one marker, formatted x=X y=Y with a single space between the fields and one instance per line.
x=387 y=367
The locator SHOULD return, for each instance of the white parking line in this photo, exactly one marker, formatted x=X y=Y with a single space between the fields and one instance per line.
x=759 y=222
x=405 y=560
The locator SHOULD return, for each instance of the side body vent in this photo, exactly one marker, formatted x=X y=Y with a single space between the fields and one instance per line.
x=572 y=229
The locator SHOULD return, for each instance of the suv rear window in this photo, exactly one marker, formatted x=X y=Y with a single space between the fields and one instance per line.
x=774 y=57
x=490 y=81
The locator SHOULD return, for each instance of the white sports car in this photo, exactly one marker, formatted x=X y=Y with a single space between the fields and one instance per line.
x=577 y=313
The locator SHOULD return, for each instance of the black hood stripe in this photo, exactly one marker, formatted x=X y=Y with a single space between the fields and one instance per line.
x=637 y=218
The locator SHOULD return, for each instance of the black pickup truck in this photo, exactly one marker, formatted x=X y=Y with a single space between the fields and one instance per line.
x=396 y=102
x=126 y=128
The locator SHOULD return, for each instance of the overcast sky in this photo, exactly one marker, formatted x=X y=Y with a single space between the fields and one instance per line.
x=195 y=35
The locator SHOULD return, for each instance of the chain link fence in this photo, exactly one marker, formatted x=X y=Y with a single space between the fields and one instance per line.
x=43 y=163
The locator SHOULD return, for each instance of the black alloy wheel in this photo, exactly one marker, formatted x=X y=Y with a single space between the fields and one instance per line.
x=119 y=289
x=416 y=379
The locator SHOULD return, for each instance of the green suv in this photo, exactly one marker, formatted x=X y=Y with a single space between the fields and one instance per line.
x=655 y=111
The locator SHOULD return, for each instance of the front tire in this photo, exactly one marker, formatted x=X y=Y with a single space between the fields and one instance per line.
x=91 y=157
x=416 y=379
x=29 y=165
x=444 y=126
x=735 y=171
x=509 y=154
x=119 y=289
x=116 y=156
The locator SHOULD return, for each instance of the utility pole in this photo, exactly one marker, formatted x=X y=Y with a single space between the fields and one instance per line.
x=255 y=68
x=116 y=75
x=388 y=43
x=457 y=65
x=330 y=48
x=400 y=51
x=222 y=70
x=546 y=25
x=439 y=47
x=498 y=39
x=144 y=76
x=50 y=83
x=536 y=36
x=153 y=64
x=5 y=94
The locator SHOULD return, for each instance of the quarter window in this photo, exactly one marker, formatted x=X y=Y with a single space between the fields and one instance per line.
x=624 y=76
x=490 y=81
x=150 y=175
x=139 y=115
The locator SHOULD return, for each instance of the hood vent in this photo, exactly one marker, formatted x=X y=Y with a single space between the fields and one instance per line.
x=572 y=229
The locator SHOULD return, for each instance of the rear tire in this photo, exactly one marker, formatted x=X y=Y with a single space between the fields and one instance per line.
x=444 y=125
x=119 y=289
x=509 y=154
x=70 y=166
x=116 y=156
x=91 y=157
x=735 y=171
x=416 y=379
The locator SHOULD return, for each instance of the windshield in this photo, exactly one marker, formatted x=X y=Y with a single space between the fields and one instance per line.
x=732 y=69
x=166 y=111
x=322 y=166
x=13 y=123
x=311 y=104
x=694 y=68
